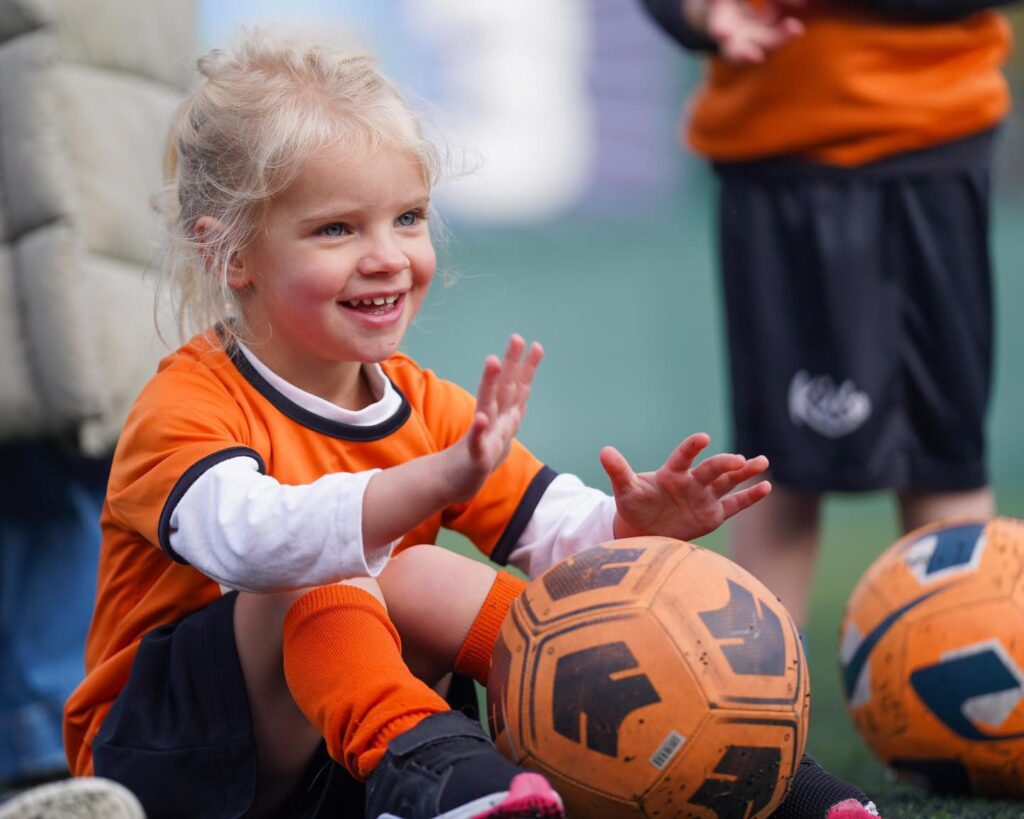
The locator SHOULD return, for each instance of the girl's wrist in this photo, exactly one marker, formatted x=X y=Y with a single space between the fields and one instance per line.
x=457 y=469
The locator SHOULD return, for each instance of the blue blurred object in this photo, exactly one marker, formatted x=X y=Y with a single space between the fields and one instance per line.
x=49 y=547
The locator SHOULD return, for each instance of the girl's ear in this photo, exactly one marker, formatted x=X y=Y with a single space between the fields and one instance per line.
x=206 y=233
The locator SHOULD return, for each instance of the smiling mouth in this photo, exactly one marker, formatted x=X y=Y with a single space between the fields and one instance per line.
x=378 y=305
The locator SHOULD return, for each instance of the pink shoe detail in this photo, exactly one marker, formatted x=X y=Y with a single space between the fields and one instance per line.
x=852 y=809
x=529 y=797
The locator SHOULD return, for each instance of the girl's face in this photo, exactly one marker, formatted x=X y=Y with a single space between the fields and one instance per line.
x=340 y=268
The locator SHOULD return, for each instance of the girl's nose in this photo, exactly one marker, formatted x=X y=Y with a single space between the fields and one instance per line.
x=383 y=257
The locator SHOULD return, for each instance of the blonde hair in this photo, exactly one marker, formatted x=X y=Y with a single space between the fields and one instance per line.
x=257 y=114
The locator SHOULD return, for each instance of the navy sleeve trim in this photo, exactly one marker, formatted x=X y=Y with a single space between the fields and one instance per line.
x=531 y=497
x=185 y=482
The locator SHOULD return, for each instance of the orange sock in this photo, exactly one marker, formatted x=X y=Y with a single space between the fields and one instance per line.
x=343 y=662
x=474 y=658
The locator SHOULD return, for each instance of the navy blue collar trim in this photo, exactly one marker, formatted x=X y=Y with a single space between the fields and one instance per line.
x=317 y=423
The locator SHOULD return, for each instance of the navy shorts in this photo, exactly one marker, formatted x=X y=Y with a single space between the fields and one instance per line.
x=179 y=735
x=859 y=313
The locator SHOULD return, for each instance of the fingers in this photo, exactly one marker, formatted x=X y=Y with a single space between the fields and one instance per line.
x=514 y=352
x=738 y=501
x=519 y=369
x=481 y=423
x=722 y=472
x=748 y=469
x=507 y=381
x=686 y=453
x=741 y=470
x=620 y=473
x=487 y=392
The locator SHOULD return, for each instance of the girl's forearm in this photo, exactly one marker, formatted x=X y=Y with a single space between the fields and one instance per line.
x=401 y=497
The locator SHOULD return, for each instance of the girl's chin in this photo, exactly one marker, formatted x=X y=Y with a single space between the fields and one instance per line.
x=375 y=353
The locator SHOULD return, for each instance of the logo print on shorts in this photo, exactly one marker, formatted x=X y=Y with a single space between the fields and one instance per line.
x=816 y=401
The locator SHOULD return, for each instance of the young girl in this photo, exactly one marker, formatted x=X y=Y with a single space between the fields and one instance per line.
x=252 y=615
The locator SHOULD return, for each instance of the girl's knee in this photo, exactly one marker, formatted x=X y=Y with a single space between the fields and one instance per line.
x=441 y=570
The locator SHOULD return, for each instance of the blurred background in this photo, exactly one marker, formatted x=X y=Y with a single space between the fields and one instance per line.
x=577 y=218
x=583 y=222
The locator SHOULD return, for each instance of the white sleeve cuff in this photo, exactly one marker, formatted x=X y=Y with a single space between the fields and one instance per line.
x=569 y=517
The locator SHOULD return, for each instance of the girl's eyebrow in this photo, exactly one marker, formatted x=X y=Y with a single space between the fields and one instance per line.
x=346 y=209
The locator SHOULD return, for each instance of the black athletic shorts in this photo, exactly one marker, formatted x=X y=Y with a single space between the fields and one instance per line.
x=859 y=311
x=179 y=734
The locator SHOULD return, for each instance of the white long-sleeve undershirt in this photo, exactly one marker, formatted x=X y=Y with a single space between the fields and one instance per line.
x=570 y=516
x=249 y=532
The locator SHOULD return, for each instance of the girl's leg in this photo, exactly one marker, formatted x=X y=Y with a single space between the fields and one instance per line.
x=448 y=609
x=345 y=681
x=285 y=740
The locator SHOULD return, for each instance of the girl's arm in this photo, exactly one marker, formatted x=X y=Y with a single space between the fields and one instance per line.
x=400 y=498
x=569 y=517
x=249 y=532
x=680 y=500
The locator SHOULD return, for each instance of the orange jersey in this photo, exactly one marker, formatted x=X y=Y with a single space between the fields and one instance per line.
x=202 y=408
x=855 y=88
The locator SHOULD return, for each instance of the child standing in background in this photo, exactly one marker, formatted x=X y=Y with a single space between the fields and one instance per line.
x=853 y=141
x=268 y=595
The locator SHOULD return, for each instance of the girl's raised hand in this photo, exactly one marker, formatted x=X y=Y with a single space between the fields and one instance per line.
x=679 y=500
x=500 y=408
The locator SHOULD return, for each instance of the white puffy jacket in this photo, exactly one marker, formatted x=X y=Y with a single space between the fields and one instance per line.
x=87 y=90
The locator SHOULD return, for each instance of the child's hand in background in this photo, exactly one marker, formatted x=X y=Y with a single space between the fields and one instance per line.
x=746 y=32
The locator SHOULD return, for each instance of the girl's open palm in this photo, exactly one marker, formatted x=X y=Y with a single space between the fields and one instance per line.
x=679 y=500
x=500 y=407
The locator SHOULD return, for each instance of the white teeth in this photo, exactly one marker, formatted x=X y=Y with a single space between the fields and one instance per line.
x=379 y=301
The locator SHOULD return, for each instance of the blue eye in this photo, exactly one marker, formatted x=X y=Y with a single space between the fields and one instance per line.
x=333 y=230
x=409 y=218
